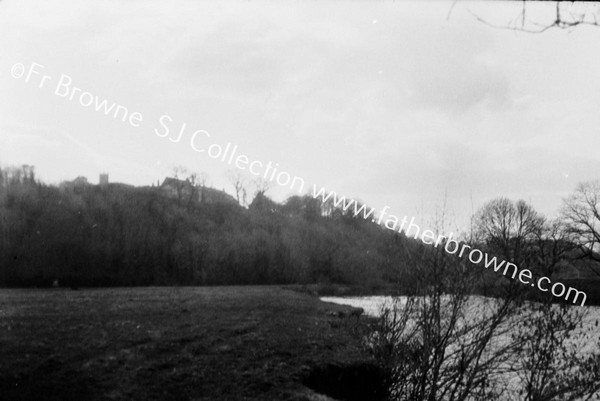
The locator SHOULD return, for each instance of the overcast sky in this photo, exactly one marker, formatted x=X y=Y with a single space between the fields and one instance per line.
x=393 y=103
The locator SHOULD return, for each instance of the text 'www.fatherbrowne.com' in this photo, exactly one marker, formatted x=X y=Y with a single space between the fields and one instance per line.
x=201 y=143
x=451 y=246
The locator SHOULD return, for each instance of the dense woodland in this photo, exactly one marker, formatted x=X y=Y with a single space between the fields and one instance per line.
x=85 y=235
x=119 y=235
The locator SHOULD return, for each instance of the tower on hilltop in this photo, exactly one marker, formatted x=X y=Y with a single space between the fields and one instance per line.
x=103 y=179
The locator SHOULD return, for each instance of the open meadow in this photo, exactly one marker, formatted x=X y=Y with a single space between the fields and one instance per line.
x=168 y=343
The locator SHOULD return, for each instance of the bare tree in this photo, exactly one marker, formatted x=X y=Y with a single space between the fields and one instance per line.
x=262 y=185
x=508 y=228
x=200 y=180
x=554 y=245
x=581 y=213
x=238 y=180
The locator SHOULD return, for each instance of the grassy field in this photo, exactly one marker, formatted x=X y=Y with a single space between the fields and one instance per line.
x=185 y=343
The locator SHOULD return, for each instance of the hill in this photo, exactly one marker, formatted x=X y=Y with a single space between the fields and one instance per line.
x=177 y=233
x=118 y=235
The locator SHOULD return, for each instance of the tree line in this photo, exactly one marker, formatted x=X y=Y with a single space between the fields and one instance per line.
x=92 y=235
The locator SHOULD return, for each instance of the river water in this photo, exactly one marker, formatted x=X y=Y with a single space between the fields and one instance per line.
x=374 y=305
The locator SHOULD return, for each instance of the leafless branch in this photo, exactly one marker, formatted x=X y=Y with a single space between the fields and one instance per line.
x=563 y=19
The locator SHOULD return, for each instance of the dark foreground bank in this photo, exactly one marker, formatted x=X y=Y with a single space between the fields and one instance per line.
x=218 y=343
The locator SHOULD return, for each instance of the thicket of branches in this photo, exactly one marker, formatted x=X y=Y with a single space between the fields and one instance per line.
x=443 y=343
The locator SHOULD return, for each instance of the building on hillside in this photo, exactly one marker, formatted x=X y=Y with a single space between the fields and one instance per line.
x=79 y=182
x=183 y=190
x=179 y=189
x=78 y=185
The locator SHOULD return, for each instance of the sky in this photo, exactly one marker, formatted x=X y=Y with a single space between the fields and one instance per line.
x=418 y=106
